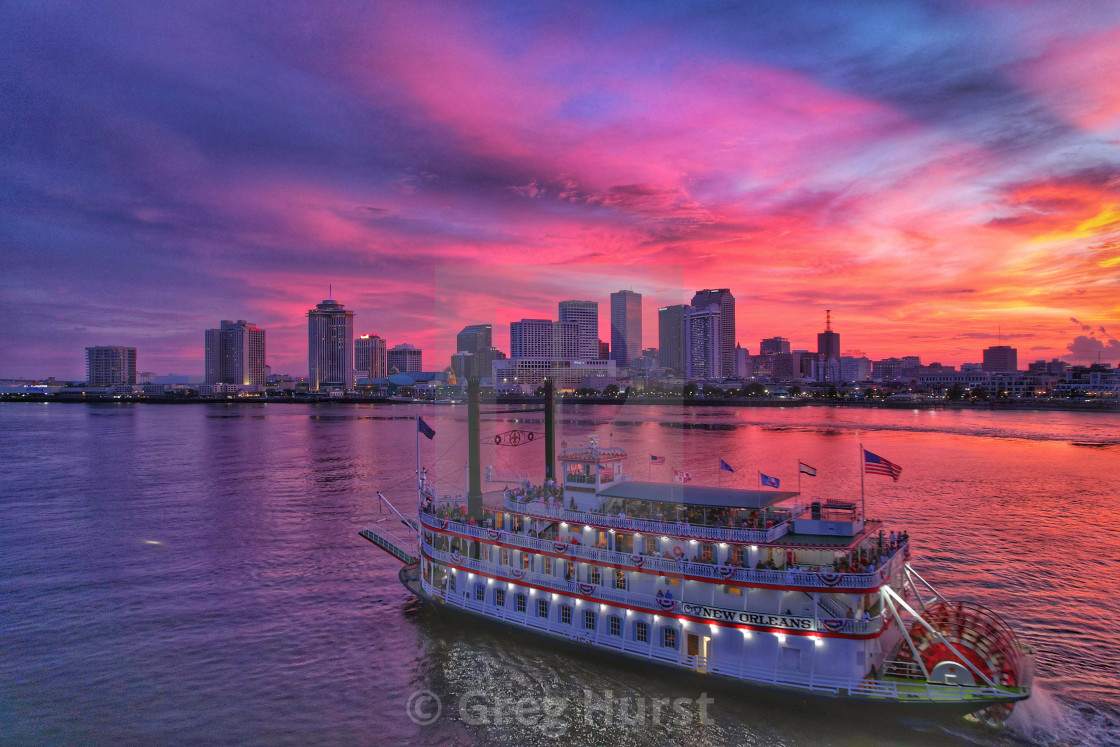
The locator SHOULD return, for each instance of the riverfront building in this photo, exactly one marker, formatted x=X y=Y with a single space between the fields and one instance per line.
x=406 y=358
x=1000 y=359
x=726 y=302
x=369 y=357
x=110 y=365
x=703 y=342
x=330 y=346
x=670 y=337
x=235 y=354
x=626 y=326
x=585 y=315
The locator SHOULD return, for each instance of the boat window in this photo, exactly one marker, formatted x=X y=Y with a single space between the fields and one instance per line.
x=565 y=614
x=616 y=625
x=542 y=608
x=589 y=620
x=480 y=592
x=641 y=632
x=669 y=637
x=500 y=598
x=596 y=577
x=620 y=579
x=519 y=602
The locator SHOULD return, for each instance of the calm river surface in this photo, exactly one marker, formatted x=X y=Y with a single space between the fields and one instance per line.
x=194 y=573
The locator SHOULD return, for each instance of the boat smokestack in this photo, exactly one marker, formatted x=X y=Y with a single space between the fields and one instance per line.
x=549 y=430
x=474 y=490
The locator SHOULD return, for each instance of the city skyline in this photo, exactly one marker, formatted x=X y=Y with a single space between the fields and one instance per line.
x=929 y=174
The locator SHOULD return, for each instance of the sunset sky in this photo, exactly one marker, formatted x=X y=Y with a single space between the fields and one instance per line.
x=930 y=172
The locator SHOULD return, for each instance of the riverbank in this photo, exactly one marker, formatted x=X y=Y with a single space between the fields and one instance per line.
x=1096 y=405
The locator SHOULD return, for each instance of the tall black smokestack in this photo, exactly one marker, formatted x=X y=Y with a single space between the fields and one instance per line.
x=549 y=430
x=474 y=491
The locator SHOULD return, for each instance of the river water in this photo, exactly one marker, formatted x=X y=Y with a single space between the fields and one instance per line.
x=194 y=574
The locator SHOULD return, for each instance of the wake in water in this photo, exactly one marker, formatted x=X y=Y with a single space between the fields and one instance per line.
x=1045 y=720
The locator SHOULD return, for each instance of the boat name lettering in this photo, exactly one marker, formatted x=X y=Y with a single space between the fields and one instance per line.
x=747 y=618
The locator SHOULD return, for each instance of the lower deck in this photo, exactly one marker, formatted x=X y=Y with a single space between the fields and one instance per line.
x=826 y=667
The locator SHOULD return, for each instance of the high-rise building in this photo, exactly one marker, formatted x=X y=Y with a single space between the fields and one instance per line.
x=828 y=342
x=330 y=346
x=110 y=365
x=405 y=358
x=478 y=364
x=473 y=338
x=1000 y=358
x=703 y=333
x=721 y=297
x=626 y=326
x=585 y=314
x=369 y=357
x=235 y=354
x=604 y=351
x=670 y=337
x=544 y=338
x=772 y=345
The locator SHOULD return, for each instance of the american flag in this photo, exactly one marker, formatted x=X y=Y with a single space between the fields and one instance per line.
x=656 y=459
x=681 y=476
x=873 y=464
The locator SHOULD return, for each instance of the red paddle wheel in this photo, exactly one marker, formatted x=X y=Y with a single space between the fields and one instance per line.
x=984 y=641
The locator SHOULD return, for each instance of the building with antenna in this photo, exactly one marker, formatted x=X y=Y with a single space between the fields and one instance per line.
x=626 y=327
x=330 y=346
x=723 y=298
x=828 y=342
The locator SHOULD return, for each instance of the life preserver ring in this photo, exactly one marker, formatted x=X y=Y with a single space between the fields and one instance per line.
x=678 y=552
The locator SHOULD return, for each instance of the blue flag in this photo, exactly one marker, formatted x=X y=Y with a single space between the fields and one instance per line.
x=767 y=481
x=424 y=427
x=725 y=465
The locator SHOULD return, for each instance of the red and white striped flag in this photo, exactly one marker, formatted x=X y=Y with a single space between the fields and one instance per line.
x=681 y=476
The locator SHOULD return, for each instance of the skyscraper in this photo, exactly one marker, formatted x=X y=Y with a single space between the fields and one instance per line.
x=330 y=346
x=828 y=342
x=670 y=337
x=406 y=358
x=703 y=342
x=626 y=326
x=369 y=356
x=473 y=338
x=110 y=365
x=544 y=338
x=773 y=345
x=235 y=353
x=585 y=314
x=1000 y=358
x=721 y=297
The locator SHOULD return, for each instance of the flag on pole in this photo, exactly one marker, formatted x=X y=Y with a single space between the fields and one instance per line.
x=724 y=465
x=768 y=481
x=656 y=459
x=807 y=470
x=424 y=428
x=681 y=476
x=873 y=464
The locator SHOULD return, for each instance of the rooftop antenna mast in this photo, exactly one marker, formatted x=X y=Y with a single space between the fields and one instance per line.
x=828 y=320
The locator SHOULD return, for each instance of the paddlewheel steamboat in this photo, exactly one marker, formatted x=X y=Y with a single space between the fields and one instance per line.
x=757 y=586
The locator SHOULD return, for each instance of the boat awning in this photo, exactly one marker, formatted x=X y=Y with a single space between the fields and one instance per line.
x=695 y=495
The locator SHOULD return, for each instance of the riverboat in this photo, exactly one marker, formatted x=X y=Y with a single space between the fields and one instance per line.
x=755 y=586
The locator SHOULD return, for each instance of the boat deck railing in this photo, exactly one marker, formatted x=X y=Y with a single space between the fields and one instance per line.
x=799 y=578
x=645 y=602
x=650 y=526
